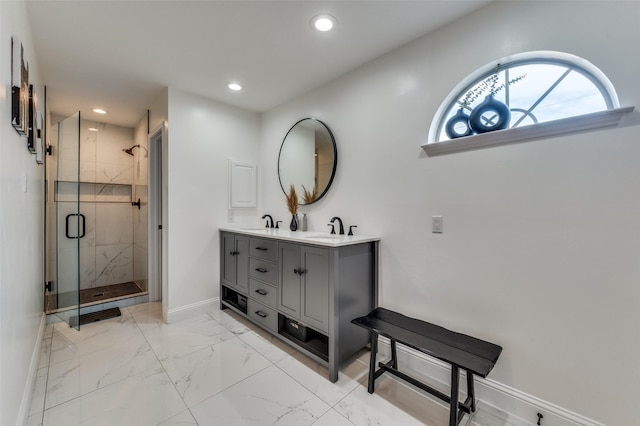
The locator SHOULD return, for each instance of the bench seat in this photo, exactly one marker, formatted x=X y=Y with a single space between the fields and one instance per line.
x=461 y=351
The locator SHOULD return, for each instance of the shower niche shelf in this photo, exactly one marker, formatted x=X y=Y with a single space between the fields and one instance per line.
x=93 y=192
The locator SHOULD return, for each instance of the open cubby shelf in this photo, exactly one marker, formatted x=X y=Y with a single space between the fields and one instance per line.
x=230 y=299
x=318 y=346
x=85 y=192
x=317 y=343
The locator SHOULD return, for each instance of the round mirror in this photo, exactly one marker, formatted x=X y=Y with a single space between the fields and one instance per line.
x=307 y=160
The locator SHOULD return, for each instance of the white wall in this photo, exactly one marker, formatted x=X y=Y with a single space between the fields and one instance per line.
x=21 y=234
x=541 y=240
x=203 y=135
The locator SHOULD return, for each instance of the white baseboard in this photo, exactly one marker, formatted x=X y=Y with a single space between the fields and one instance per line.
x=188 y=311
x=27 y=394
x=516 y=407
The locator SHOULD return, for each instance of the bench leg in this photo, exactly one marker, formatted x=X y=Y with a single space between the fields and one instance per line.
x=394 y=355
x=372 y=362
x=471 y=393
x=453 y=407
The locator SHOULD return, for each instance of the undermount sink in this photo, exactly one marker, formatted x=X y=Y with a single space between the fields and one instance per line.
x=320 y=235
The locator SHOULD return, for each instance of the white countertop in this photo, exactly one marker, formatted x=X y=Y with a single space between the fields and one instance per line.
x=315 y=238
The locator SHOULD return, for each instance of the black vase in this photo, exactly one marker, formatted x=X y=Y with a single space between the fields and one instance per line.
x=458 y=125
x=294 y=223
x=489 y=115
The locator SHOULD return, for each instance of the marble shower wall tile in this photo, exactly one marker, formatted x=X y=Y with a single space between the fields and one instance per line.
x=87 y=267
x=67 y=269
x=141 y=170
x=114 y=264
x=114 y=224
x=113 y=193
x=114 y=173
x=88 y=140
x=111 y=141
x=68 y=170
x=140 y=264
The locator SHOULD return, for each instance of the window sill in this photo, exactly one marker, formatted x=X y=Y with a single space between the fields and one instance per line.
x=580 y=123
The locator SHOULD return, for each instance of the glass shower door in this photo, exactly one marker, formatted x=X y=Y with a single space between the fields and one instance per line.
x=67 y=223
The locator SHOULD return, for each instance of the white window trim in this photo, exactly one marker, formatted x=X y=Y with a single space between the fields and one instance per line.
x=606 y=118
x=546 y=129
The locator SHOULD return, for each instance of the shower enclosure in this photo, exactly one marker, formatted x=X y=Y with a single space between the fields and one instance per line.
x=95 y=226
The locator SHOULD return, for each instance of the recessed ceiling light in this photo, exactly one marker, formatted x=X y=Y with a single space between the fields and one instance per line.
x=92 y=129
x=99 y=111
x=323 y=22
x=234 y=86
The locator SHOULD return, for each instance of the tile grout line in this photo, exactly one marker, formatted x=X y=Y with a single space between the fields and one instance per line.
x=86 y=393
x=163 y=369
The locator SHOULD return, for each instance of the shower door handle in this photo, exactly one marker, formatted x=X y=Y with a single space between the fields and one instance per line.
x=80 y=235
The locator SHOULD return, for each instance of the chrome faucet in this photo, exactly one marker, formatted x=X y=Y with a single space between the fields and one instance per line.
x=269 y=220
x=339 y=222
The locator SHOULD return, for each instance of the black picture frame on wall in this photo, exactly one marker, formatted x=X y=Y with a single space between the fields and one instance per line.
x=19 y=88
x=39 y=133
x=31 y=132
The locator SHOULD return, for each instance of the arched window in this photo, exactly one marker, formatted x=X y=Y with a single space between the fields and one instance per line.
x=521 y=90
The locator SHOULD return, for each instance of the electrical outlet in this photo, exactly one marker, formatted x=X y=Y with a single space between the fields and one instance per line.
x=436 y=224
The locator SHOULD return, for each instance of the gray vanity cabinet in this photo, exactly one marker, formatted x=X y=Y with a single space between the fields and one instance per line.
x=235 y=261
x=303 y=291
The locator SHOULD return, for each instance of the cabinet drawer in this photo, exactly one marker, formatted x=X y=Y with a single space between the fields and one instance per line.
x=263 y=249
x=264 y=271
x=262 y=292
x=263 y=315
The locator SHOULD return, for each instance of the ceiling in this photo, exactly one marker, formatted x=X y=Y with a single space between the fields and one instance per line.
x=119 y=55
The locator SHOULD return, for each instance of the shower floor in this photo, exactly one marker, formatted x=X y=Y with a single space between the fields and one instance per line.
x=94 y=295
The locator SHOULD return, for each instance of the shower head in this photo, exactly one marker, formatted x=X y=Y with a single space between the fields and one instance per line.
x=130 y=150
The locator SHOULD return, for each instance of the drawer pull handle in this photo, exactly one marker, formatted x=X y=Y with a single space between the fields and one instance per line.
x=261 y=292
x=261 y=314
x=262 y=248
x=300 y=271
x=261 y=270
x=233 y=253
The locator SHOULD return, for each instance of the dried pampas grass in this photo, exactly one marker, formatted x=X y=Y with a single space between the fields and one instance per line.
x=292 y=200
x=309 y=196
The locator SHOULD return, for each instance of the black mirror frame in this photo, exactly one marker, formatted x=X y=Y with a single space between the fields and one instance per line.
x=335 y=158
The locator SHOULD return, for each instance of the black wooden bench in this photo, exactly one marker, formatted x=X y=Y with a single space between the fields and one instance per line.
x=473 y=355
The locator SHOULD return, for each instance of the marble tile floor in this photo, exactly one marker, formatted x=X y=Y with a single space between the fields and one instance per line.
x=212 y=369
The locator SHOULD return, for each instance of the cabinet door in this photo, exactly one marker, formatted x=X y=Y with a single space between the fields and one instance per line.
x=229 y=256
x=289 y=281
x=242 y=263
x=314 y=309
x=235 y=271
